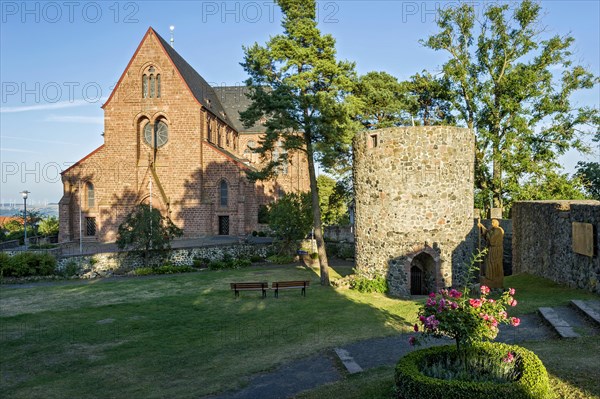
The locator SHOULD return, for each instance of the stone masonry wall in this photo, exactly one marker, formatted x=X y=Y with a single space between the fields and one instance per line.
x=414 y=195
x=543 y=242
x=106 y=264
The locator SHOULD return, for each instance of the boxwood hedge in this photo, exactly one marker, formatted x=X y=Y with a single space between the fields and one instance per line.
x=412 y=384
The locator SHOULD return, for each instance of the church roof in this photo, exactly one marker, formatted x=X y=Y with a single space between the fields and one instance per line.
x=234 y=100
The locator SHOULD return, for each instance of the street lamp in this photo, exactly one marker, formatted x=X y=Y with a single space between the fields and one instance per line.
x=25 y=194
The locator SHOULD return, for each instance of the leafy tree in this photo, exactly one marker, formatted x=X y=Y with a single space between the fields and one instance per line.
x=381 y=101
x=333 y=200
x=589 y=173
x=297 y=85
x=430 y=99
x=49 y=226
x=146 y=230
x=550 y=185
x=290 y=219
x=501 y=71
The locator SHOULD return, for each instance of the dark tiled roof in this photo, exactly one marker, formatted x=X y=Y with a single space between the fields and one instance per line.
x=203 y=92
x=234 y=100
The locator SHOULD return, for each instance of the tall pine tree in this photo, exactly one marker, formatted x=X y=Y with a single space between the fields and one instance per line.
x=299 y=87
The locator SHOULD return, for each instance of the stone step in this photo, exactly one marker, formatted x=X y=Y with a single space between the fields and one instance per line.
x=348 y=361
x=562 y=327
x=590 y=309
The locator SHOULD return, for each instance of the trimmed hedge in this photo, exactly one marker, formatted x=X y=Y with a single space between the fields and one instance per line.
x=411 y=383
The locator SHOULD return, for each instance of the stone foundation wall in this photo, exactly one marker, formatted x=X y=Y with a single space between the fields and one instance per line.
x=414 y=194
x=543 y=242
x=106 y=264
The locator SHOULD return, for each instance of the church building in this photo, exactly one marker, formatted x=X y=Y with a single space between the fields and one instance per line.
x=172 y=141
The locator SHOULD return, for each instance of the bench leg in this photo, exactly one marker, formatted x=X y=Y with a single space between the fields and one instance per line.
x=304 y=291
x=264 y=293
x=276 y=292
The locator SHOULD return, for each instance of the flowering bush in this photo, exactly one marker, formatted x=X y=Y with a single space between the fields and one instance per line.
x=467 y=320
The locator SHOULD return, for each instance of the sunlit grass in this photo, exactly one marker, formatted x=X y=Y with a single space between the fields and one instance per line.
x=176 y=336
x=533 y=292
x=187 y=336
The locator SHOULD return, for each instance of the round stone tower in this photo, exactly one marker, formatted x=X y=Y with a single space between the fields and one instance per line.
x=414 y=205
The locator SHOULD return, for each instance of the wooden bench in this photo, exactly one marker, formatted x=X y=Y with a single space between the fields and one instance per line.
x=257 y=286
x=285 y=285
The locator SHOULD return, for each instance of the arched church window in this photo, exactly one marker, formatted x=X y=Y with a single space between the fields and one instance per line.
x=145 y=86
x=223 y=193
x=152 y=88
x=91 y=195
x=158 y=85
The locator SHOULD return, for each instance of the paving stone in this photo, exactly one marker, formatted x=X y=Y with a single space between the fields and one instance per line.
x=560 y=325
x=590 y=309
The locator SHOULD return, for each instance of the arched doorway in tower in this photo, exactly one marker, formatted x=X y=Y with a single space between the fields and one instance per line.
x=422 y=274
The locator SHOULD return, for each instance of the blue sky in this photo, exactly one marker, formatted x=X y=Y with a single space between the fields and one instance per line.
x=60 y=60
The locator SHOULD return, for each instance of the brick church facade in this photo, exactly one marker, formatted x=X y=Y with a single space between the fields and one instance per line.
x=175 y=142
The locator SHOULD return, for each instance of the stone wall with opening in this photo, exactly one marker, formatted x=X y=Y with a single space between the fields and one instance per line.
x=414 y=206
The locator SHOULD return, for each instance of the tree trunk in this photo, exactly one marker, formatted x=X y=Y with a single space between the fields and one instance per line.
x=324 y=265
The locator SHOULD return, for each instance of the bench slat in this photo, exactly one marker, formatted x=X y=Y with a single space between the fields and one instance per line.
x=277 y=285
x=250 y=286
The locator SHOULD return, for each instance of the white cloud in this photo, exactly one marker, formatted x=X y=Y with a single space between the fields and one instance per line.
x=47 y=106
x=97 y=120
x=18 y=150
x=37 y=140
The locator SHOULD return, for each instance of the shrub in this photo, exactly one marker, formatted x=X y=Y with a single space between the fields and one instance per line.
x=529 y=376
x=262 y=234
x=254 y=233
x=201 y=263
x=467 y=320
x=229 y=263
x=280 y=259
x=164 y=269
x=29 y=264
x=240 y=263
x=43 y=246
x=256 y=258
x=4 y=261
x=70 y=269
x=345 y=251
x=218 y=265
x=367 y=285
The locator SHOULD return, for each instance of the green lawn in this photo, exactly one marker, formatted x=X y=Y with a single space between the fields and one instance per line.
x=186 y=335
x=571 y=364
x=175 y=336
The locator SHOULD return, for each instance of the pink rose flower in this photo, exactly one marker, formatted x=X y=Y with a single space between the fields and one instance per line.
x=476 y=303
x=511 y=291
x=513 y=302
x=503 y=314
x=509 y=358
x=515 y=321
x=485 y=289
x=455 y=294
